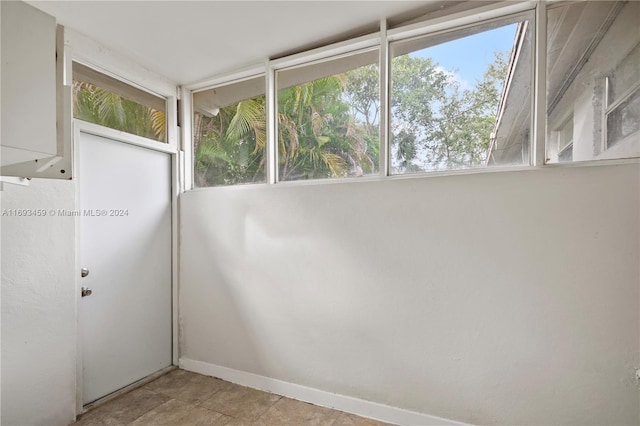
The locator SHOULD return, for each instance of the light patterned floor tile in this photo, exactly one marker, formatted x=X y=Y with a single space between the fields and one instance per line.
x=291 y=412
x=241 y=402
x=174 y=412
x=347 y=419
x=123 y=409
x=186 y=386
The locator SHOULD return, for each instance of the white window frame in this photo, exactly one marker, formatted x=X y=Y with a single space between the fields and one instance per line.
x=381 y=39
x=132 y=85
x=317 y=56
x=489 y=15
x=226 y=80
x=187 y=111
x=79 y=48
x=600 y=144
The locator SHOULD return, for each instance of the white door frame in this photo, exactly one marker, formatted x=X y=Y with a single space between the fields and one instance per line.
x=80 y=126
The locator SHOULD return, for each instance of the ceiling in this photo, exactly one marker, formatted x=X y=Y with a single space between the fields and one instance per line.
x=187 y=41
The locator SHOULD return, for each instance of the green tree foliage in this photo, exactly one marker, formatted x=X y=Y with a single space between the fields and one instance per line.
x=435 y=123
x=329 y=127
x=230 y=146
x=96 y=105
x=319 y=136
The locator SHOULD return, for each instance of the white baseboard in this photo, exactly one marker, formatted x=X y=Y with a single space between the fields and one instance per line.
x=360 y=407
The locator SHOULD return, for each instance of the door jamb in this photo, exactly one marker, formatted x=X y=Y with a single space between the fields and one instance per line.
x=80 y=126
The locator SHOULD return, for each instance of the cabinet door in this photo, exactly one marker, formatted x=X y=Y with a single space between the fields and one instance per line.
x=28 y=55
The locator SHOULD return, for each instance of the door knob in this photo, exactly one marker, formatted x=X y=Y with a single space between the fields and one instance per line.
x=85 y=291
x=84 y=272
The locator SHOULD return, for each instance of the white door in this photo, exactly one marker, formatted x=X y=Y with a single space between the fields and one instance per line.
x=125 y=209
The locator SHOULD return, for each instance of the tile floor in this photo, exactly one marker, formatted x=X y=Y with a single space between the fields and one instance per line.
x=182 y=398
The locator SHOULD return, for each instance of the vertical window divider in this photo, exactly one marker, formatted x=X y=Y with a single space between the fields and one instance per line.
x=172 y=120
x=186 y=118
x=385 y=143
x=539 y=106
x=603 y=125
x=272 y=123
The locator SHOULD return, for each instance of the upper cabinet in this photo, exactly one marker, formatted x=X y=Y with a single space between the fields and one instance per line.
x=28 y=123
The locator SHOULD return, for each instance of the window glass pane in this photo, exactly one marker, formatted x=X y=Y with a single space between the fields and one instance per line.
x=593 y=69
x=624 y=78
x=328 y=118
x=103 y=100
x=462 y=99
x=566 y=153
x=623 y=122
x=229 y=134
x=562 y=139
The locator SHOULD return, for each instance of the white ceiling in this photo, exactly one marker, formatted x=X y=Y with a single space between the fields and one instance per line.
x=188 y=41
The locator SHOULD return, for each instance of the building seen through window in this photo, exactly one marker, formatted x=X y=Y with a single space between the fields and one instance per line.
x=593 y=75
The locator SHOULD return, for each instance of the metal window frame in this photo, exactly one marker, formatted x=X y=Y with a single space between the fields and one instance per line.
x=170 y=110
x=381 y=40
x=363 y=44
x=187 y=115
x=466 y=20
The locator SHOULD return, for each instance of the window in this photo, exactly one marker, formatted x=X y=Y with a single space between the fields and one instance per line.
x=623 y=101
x=593 y=68
x=230 y=134
x=453 y=90
x=623 y=119
x=103 y=100
x=565 y=141
x=456 y=98
x=328 y=118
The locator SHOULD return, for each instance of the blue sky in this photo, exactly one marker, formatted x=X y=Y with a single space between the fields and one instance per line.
x=469 y=56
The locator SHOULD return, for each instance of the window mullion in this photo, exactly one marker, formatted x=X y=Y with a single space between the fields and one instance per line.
x=272 y=124
x=186 y=120
x=539 y=105
x=385 y=143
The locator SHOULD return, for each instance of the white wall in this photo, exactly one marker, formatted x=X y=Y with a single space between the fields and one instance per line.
x=38 y=275
x=38 y=306
x=498 y=298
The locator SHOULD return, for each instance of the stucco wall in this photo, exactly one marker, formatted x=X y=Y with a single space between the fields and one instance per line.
x=497 y=298
x=38 y=306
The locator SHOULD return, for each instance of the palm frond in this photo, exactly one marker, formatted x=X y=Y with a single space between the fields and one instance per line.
x=158 y=122
x=250 y=115
x=110 y=109
x=210 y=151
x=336 y=164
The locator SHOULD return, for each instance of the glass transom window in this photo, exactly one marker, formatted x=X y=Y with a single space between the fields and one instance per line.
x=461 y=99
x=104 y=100
x=328 y=118
x=230 y=134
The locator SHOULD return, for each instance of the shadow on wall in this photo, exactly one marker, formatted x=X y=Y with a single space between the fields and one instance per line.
x=462 y=297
